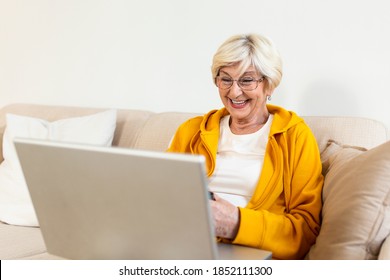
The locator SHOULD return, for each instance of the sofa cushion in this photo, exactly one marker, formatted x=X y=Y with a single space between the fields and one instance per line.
x=384 y=254
x=15 y=203
x=20 y=242
x=356 y=197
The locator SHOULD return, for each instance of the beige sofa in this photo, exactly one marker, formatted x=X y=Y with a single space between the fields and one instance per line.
x=149 y=130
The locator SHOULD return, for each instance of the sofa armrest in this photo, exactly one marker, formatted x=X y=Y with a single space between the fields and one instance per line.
x=384 y=253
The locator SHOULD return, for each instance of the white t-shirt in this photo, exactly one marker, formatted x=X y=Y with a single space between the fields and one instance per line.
x=239 y=163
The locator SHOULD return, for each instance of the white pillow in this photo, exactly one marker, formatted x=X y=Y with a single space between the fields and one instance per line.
x=356 y=209
x=15 y=203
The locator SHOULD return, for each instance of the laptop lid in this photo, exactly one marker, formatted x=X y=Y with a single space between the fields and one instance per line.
x=116 y=203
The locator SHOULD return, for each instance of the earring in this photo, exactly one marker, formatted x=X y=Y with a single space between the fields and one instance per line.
x=269 y=98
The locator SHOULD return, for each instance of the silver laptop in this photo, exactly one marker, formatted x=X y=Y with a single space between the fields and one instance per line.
x=116 y=203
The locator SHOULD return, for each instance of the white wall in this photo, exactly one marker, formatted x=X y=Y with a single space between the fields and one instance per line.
x=156 y=55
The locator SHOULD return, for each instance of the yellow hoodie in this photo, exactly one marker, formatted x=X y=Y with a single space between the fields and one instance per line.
x=283 y=216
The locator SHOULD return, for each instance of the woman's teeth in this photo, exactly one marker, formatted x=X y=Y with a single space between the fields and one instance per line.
x=238 y=102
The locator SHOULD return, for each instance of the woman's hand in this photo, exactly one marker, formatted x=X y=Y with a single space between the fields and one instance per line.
x=226 y=218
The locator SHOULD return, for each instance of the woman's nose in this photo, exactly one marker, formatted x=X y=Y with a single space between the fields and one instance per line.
x=234 y=90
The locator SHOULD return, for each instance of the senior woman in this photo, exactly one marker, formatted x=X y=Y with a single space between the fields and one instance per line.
x=262 y=160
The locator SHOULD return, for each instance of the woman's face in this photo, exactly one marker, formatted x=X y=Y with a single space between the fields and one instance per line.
x=243 y=105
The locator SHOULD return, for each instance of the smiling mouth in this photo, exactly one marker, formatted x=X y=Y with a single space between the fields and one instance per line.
x=238 y=103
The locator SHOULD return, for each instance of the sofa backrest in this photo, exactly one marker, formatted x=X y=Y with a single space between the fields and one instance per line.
x=153 y=131
x=158 y=130
x=354 y=131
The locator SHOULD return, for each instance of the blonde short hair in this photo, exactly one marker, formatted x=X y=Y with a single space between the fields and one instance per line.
x=250 y=50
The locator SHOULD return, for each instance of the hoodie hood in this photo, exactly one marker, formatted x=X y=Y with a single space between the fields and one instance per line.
x=283 y=120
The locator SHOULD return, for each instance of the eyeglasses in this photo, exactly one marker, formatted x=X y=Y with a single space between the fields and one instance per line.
x=245 y=83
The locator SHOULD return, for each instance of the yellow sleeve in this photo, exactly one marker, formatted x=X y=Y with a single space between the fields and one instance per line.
x=290 y=226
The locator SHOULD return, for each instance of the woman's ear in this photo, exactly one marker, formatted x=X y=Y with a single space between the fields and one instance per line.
x=269 y=92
